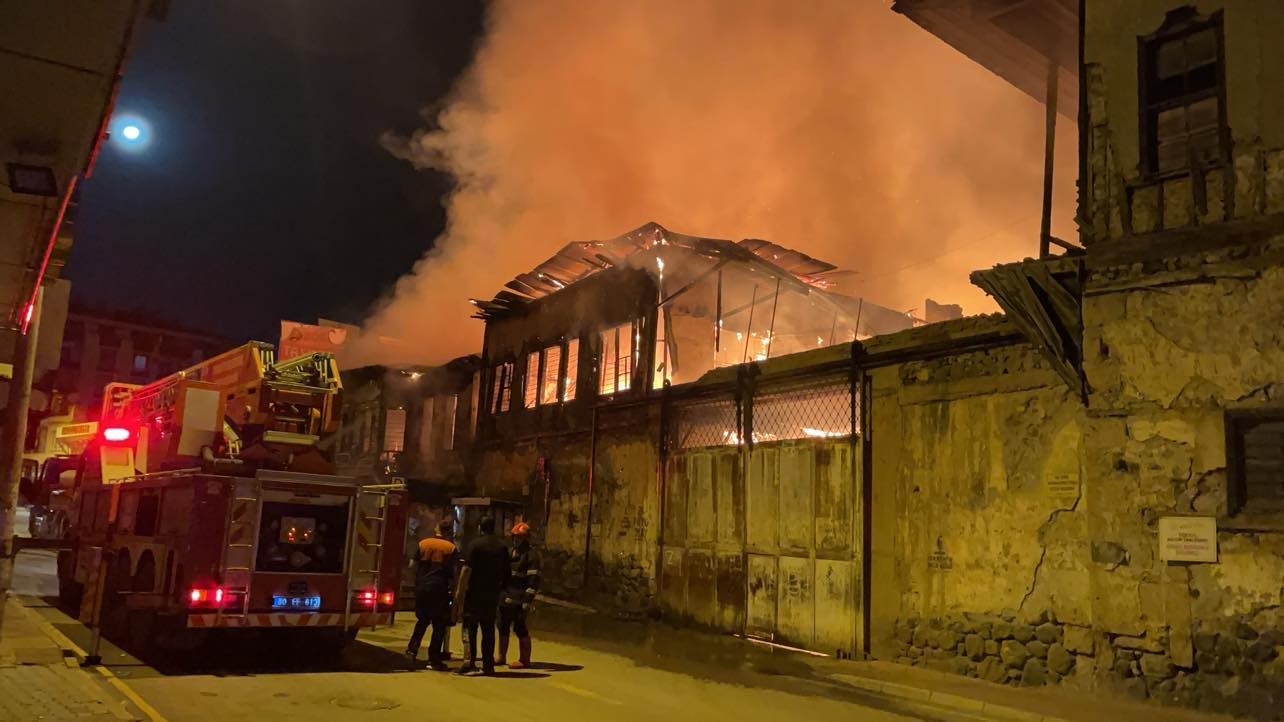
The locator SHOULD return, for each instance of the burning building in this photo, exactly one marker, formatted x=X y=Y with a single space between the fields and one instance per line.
x=1084 y=490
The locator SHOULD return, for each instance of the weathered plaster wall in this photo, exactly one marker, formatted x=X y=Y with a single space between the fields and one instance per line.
x=1167 y=352
x=977 y=515
x=1120 y=201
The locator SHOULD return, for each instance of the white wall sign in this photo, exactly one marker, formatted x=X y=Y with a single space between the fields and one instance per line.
x=1188 y=539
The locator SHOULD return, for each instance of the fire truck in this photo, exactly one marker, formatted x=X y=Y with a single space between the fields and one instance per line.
x=204 y=504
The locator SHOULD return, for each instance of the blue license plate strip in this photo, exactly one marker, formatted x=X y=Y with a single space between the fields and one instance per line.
x=282 y=601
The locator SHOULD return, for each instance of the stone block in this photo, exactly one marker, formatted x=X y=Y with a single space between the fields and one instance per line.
x=1033 y=674
x=920 y=636
x=1135 y=688
x=1275 y=181
x=947 y=639
x=1014 y=653
x=1048 y=633
x=1205 y=641
x=1078 y=639
x=974 y=647
x=1145 y=209
x=1157 y=665
x=1261 y=651
x=1141 y=644
x=991 y=669
x=1022 y=633
x=1122 y=667
x=1205 y=662
x=986 y=630
x=1060 y=660
x=1036 y=648
x=1179 y=202
x=1245 y=632
x=1002 y=630
x=991 y=647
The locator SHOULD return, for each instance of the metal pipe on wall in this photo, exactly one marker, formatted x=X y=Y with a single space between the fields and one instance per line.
x=588 y=515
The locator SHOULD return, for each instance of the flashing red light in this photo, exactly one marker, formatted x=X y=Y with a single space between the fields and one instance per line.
x=116 y=434
x=386 y=599
x=211 y=597
x=366 y=598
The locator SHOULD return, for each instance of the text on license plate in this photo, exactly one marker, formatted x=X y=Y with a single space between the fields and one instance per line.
x=282 y=601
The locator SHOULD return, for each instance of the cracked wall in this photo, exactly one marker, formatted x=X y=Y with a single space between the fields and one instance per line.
x=977 y=512
x=1170 y=347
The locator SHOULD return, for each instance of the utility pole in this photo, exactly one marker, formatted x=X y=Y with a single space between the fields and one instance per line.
x=13 y=437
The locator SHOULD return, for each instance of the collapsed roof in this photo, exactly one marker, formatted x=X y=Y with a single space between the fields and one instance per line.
x=579 y=260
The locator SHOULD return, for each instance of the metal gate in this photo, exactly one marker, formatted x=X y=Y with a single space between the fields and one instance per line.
x=763 y=538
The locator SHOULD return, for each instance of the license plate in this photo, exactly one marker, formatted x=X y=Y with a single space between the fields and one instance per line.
x=283 y=601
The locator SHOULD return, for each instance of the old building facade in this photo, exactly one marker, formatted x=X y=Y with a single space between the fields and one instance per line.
x=1085 y=490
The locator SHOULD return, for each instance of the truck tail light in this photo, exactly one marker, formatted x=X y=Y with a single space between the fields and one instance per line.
x=386 y=599
x=207 y=597
x=366 y=598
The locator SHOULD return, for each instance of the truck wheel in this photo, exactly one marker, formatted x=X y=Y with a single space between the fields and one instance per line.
x=140 y=634
x=69 y=595
x=70 y=592
x=332 y=642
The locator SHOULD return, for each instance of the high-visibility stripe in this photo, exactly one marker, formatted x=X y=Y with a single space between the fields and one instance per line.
x=306 y=619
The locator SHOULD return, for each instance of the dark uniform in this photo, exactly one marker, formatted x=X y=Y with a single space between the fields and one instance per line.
x=487 y=560
x=519 y=595
x=434 y=580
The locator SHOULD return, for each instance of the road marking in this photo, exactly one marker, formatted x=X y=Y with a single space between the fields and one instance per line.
x=64 y=642
x=118 y=683
x=583 y=692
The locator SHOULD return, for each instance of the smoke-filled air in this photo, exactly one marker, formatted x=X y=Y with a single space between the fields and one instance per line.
x=835 y=127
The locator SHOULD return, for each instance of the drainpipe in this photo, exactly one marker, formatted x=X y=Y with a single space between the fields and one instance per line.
x=588 y=517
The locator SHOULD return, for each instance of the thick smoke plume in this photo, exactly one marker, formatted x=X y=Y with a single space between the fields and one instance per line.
x=835 y=127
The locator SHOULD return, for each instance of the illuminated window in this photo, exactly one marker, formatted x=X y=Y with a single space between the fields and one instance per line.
x=572 y=369
x=394 y=430
x=501 y=388
x=530 y=387
x=140 y=363
x=615 y=372
x=552 y=365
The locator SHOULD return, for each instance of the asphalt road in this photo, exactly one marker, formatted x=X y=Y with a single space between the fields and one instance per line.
x=575 y=678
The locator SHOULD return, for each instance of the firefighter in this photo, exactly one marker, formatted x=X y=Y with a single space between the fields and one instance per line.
x=434 y=577
x=519 y=596
x=487 y=568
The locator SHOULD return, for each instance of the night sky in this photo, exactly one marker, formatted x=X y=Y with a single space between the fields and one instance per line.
x=263 y=192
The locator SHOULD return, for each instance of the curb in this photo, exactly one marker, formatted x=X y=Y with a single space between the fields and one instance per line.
x=953 y=702
x=74 y=657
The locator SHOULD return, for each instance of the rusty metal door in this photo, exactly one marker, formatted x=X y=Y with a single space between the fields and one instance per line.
x=803 y=560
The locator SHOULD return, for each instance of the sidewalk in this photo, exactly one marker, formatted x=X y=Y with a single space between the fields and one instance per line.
x=932 y=694
x=986 y=700
x=39 y=682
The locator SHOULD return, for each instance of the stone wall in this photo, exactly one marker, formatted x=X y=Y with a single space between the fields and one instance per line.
x=1170 y=346
x=976 y=496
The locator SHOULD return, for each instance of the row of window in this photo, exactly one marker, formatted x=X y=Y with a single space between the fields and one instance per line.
x=551 y=374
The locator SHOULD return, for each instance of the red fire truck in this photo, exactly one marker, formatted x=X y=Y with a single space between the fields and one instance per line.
x=204 y=504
